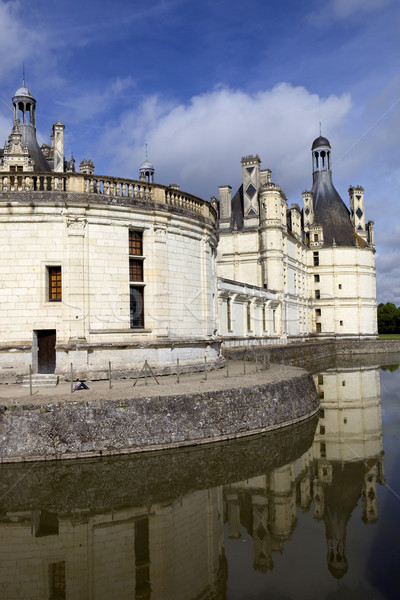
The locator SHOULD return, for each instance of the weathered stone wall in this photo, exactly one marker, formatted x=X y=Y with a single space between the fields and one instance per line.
x=74 y=429
x=310 y=355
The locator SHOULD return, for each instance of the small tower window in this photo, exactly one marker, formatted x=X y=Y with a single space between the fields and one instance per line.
x=316 y=278
x=316 y=259
x=317 y=294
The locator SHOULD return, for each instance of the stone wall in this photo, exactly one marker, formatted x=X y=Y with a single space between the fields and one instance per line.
x=75 y=429
x=310 y=355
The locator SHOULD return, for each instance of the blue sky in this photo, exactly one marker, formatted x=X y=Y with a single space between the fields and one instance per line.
x=204 y=83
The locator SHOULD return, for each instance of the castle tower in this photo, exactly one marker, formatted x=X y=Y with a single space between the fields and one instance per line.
x=330 y=211
x=251 y=183
x=273 y=224
x=24 y=105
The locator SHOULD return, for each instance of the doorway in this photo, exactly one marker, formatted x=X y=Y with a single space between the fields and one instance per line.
x=46 y=350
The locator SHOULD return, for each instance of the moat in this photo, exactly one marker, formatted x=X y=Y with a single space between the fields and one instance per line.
x=309 y=511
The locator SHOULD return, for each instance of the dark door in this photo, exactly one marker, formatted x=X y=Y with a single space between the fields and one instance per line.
x=46 y=339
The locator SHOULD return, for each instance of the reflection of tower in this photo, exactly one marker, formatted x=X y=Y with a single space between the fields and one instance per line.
x=261 y=536
x=349 y=454
x=266 y=507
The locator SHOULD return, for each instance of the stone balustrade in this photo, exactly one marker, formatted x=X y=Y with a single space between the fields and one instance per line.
x=106 y=186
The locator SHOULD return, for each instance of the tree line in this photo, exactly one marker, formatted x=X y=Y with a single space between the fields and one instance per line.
x=388 y=318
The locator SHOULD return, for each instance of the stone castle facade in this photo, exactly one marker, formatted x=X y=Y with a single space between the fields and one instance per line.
x=308 y=272
x=102 y=269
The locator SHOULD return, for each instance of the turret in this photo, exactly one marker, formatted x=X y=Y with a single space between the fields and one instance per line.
x=146 y=171
x=24 y=105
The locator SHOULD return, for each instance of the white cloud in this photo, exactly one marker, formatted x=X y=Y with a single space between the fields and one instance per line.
x=199 y=145
x=17 y=42
x=344 y=8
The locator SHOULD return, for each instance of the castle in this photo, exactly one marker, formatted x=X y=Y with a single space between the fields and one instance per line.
x=98 y=270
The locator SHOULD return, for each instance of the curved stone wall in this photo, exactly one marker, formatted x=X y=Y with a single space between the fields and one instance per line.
x=78 y=429
x=96 y=316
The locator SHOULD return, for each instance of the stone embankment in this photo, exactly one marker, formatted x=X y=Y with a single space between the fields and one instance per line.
x=45 y=427
x=310 y=355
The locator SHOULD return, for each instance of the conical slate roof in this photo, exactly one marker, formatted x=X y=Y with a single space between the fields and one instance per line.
x=331 y=212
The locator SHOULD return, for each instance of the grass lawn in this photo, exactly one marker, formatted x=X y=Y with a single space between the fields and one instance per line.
x=389 y=336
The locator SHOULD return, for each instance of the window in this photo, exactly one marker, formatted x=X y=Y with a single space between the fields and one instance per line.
x=136 y=275
x=316 y=259
x=54 y=281
x=317 y=312
x=318 y=327
x=264 y=319
x=135 y=243
x=136 y=298
x=343 y=383
x=316 y=278
x=340 y=286
x=317 y=294
x=315 y=237
x=248 y=317
x=320 y=379
x=229 y=314
x=341 y=323
x=322 y=413
x=322 y=429
x=322 y=449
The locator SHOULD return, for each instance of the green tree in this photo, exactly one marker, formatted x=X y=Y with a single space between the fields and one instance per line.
x=388 y=318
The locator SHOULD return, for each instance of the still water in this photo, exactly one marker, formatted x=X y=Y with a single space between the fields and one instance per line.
x=312 y=511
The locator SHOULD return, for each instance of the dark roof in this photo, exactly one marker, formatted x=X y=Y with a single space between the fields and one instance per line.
x=320 y=141
x=29 y=139
x=331 y=212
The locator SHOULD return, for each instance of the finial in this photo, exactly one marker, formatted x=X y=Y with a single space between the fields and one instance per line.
x=146 y=152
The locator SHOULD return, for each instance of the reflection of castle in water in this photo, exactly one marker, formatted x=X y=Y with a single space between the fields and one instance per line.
x=348 y=454
x=173 y=550
x=344 y=463
x=151 y=527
